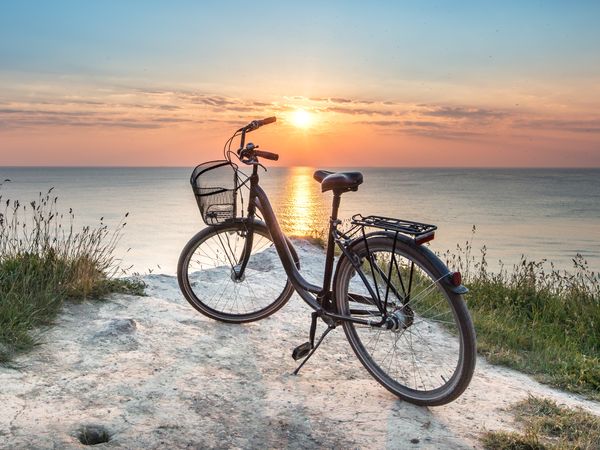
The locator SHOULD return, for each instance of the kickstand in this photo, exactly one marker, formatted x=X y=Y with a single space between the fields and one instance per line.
x=314 y=349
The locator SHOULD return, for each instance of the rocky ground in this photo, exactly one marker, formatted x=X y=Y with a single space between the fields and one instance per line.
x=150 y=372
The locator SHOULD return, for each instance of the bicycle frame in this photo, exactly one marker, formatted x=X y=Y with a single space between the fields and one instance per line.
x=385 y=280
x=313 y=295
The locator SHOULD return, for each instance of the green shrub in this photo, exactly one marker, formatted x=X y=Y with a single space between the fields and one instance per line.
x=536 y=318
x=44 y=261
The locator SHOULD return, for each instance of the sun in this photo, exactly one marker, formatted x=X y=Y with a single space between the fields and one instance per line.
x=301 y=118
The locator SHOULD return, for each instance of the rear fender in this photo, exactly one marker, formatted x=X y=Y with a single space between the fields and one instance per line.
x=423 y=250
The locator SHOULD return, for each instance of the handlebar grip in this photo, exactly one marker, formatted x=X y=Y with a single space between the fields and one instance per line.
x=268 y=120
x=255 y=124
x=266 y=155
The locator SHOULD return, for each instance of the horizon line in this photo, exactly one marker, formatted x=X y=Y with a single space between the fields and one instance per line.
x=293 y=166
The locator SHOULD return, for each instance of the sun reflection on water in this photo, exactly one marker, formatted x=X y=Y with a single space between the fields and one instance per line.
x=302 y=209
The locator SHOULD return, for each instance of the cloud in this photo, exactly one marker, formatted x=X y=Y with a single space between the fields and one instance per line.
x=466 y=122
x=85 y=102
x=341 y=105
x=27 y=116
x=187 y=96
x=228 y=122
x=446 y=134
x=134 y=108
x=38 y=112
x=573 y=126
x=69 y=122
x=426 y=128
x=153 y=91
x=423 y=123
x=168 y=107
x=440 y=121
x=360 y=111
x=340 y=100
x=404 y=123
x=461 y=112
x=383 y=123
x=211 y=100
x=241 y=108
x=127 y=108
x=124 y=124
x=171 y=120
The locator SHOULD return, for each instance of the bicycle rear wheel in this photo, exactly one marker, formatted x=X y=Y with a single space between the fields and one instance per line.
x=425 y=353
x=206 y=273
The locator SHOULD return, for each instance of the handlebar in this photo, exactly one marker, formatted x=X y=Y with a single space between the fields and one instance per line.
x=255 y=124
x=248 y=153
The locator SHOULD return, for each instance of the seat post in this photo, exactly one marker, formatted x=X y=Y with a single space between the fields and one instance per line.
x=331 y=244
x=337 y=196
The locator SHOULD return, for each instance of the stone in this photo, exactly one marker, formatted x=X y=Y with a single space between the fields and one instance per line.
x=116 y=327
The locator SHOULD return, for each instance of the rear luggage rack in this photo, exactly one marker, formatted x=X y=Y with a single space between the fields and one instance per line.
x=422 y=232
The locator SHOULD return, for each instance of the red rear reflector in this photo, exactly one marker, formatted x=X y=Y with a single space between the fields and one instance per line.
x=456 y=278
x=424 y=238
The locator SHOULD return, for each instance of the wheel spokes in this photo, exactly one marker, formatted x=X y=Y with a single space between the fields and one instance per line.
x=211 y=273
x=423 y=351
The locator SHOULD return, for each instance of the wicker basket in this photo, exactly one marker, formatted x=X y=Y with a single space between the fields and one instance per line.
x=215 y=185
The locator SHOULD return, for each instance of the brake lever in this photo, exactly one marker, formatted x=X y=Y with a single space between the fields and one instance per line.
x=249 y=161
x=248 y=148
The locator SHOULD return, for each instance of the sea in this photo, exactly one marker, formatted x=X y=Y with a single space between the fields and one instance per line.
x=542 y=214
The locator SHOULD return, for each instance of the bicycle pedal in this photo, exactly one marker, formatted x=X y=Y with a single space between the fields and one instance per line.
x=301 y=351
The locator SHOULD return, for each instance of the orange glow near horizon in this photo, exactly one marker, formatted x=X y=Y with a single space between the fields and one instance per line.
x=123 y=127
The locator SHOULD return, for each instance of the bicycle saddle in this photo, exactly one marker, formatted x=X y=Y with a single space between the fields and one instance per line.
x=338 y=181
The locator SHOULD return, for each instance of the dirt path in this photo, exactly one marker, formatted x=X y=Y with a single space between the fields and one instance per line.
x=156 y=374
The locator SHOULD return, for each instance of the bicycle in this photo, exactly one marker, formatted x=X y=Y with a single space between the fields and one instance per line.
x=401 y=308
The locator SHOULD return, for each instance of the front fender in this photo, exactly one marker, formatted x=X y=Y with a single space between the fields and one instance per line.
x=261 y=224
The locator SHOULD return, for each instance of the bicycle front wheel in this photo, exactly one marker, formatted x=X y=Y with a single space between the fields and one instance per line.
x=207 y=273
x=425 y=351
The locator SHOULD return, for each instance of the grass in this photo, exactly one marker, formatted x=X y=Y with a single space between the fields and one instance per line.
x=45 y=261
x=536 y=318
x=547 y=426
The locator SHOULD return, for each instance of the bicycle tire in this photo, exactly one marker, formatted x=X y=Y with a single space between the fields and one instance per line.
x=434 y=341
x=204 y=273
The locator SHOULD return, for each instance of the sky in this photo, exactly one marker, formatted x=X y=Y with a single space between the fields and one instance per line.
x=398 y=83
